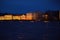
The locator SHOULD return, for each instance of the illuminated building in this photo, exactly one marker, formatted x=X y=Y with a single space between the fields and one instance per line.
x=23 y=17
x=36 y=16
x=16 y=17
x=7 y=17
x=29 y=16
x=45 y=17
x=1 y=17
x=33 y=16
x=52 y=15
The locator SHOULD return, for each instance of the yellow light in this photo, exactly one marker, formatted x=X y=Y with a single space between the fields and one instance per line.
x=16 y=17
x=1 y=17
x=7 y=17
x=23 y=17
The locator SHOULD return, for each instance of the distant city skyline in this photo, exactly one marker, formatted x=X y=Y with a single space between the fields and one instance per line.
x=38 y=16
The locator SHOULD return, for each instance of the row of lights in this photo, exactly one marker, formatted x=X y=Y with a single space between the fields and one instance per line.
x=28 y=16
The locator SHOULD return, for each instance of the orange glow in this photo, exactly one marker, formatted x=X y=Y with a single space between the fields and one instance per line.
x=16 y=18
x=29 y=16
x=7 y=17
x=1 y=17
x=34 y=16
x=22 y=17
x=46 y=16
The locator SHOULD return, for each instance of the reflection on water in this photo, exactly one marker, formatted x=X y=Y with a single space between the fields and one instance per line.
x=19 y=30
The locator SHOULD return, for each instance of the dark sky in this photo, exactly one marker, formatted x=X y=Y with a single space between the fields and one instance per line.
x=22 y=6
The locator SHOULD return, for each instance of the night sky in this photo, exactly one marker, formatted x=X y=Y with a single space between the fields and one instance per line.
x=23 y=6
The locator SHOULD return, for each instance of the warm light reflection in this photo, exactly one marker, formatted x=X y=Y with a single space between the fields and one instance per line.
x=31 y=21
x=46 y=21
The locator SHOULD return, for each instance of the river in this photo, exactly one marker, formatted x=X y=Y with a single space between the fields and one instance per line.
x=26 y=30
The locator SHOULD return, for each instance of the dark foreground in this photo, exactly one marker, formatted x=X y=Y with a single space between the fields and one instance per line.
x=16 y=30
